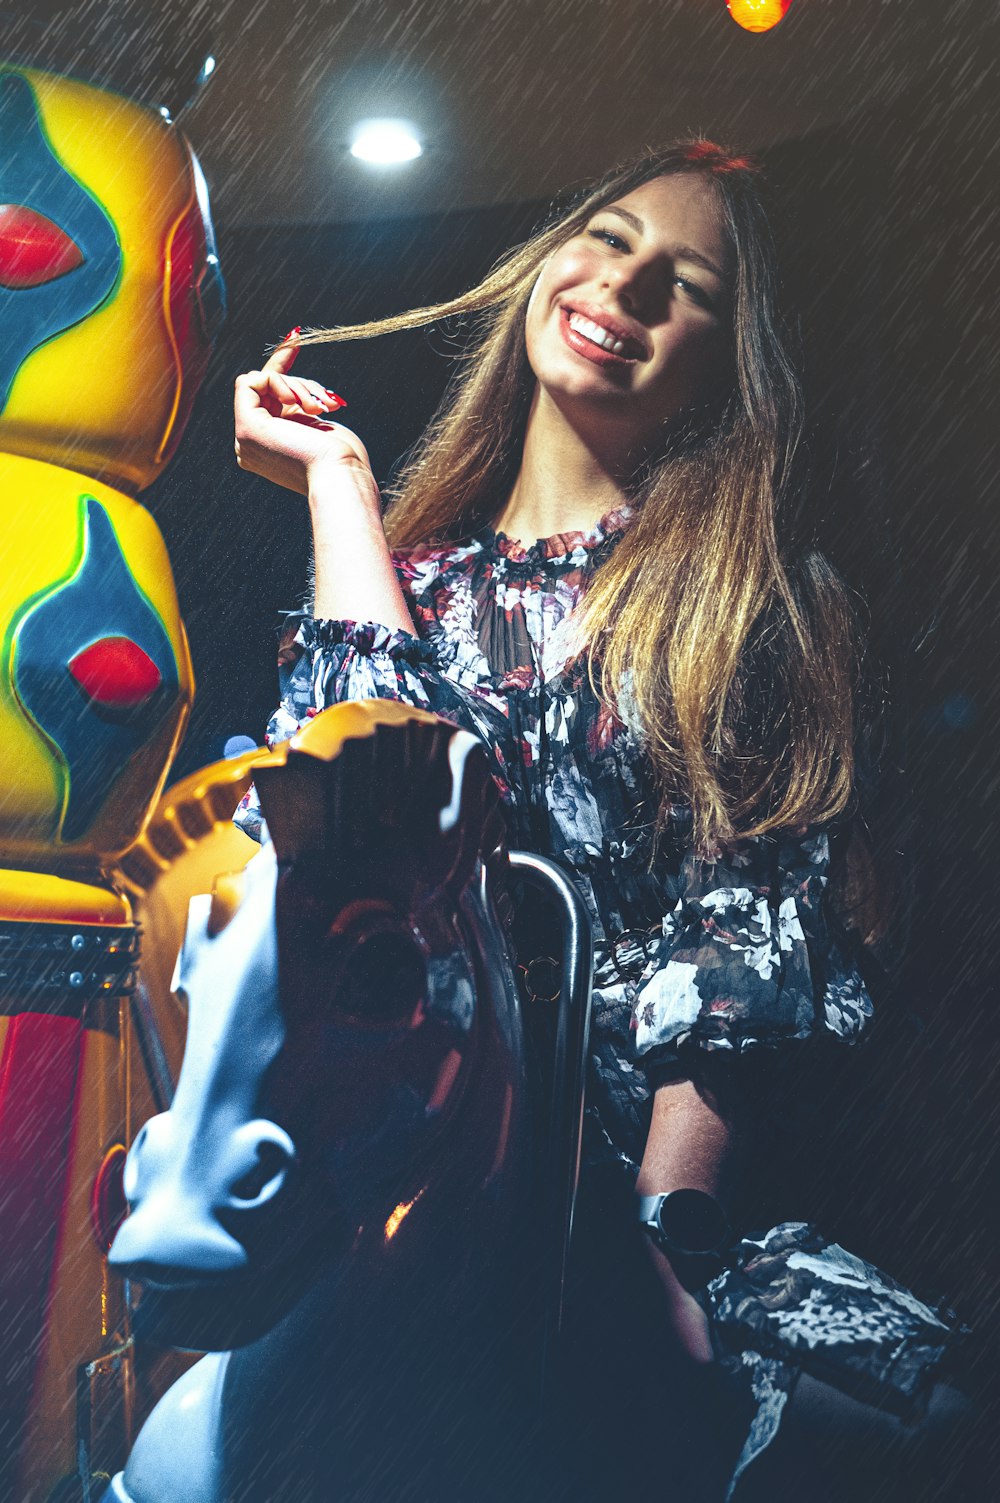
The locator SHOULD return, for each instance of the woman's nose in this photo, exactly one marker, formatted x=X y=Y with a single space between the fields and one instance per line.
x=629 y=287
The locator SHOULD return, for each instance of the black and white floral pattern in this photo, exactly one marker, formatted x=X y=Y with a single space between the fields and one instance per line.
x=794 y=1302
x=740 y=951
x=746 y=957
x=730 y=954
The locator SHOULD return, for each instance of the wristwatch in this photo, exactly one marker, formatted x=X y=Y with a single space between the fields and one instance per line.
x=692 y=1229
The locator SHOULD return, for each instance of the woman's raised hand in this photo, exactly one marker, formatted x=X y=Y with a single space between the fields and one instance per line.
x=281 y=435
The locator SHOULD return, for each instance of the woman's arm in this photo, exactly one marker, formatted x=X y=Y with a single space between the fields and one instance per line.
x=690 y=1146
x=746 y=958
x=355 y=578
x=283 y=432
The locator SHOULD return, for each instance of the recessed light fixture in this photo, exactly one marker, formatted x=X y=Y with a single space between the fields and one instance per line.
x=382 y=143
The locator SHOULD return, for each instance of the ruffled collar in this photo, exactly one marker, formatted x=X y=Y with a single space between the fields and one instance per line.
x=561 y=545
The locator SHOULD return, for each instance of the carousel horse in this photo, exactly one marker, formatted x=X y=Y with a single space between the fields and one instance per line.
x=108 y=267
x=343 y=1205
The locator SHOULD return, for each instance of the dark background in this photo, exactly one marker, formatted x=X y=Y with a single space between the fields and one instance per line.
x=888 y=246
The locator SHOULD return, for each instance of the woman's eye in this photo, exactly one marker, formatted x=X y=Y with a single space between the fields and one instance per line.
x=610 y=238
x=693 y=290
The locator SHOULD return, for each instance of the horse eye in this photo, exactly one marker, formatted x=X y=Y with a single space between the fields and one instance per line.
x=381 y=980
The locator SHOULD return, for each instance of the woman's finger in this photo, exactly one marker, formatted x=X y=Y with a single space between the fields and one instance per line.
x=322 y=393
x=284 y=357
x=310 y=395
x=283 y=389
x=253 y=393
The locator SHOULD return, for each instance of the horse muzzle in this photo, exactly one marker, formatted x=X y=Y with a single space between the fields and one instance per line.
x=199 y=1201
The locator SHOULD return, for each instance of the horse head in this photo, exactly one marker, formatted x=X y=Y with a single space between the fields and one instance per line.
x=353 y=1065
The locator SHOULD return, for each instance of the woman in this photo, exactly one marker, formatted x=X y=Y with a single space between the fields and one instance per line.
x=603 y=564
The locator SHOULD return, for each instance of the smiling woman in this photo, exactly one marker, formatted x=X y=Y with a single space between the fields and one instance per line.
x=641 y=292
x=600 y=559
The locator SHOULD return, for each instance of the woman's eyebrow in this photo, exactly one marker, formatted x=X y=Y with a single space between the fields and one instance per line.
x=681 y=252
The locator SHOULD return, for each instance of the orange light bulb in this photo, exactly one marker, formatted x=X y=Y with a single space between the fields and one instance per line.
x=758 y=15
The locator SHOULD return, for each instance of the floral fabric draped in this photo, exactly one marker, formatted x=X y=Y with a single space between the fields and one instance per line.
x=691 y=955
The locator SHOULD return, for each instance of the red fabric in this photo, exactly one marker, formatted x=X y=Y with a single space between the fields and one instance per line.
x=39 y=1073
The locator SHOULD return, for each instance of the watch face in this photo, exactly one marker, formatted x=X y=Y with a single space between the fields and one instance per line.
x=693 y=1222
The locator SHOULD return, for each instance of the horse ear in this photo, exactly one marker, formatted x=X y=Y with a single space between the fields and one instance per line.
x=228 y=890
x=379 y=783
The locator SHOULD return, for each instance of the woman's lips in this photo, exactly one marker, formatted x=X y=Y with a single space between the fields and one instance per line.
x=585 y=347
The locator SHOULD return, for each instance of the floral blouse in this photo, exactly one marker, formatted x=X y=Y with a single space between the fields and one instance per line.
x=690 y=955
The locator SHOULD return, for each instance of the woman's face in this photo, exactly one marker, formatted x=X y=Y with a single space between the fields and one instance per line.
x=654 y=271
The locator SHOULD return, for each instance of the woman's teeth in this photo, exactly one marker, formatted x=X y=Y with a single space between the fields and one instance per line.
x=596 y=334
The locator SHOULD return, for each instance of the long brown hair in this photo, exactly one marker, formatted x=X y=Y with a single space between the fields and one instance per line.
x=716 y=624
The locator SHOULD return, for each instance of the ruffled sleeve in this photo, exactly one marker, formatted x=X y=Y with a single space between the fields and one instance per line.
x=749 y=955
x=329 y=662
x=323 y=663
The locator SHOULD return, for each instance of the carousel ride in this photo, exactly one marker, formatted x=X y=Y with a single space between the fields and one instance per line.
x=354 y=1195
x=348 y=1160
x=109 y=286
x=346 y=1204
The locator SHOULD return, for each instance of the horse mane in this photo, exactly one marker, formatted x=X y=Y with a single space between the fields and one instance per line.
x=364 y=786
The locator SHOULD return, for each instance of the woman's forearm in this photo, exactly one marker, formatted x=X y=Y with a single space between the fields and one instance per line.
x=355 y=579
x=690 y=1142
x=690 y=1146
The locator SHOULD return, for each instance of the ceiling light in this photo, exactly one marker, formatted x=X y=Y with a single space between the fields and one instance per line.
x=382 y=143
x=758 y=15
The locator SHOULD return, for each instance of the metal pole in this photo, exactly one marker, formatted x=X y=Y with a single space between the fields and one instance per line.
x=560 y=1157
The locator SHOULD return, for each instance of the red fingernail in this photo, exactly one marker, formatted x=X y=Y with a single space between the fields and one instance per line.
x=292 y=333
x=333 y=395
